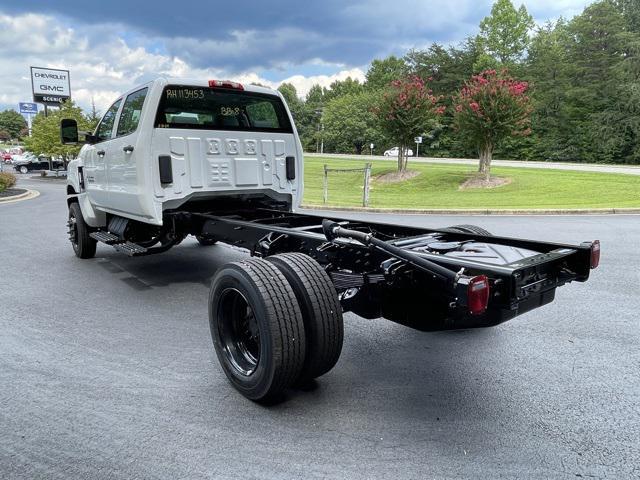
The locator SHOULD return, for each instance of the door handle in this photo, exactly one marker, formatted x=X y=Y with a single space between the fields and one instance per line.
x=128 y=149
x=100 y=153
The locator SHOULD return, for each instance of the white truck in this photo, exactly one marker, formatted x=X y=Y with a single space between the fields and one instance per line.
x=223 y=162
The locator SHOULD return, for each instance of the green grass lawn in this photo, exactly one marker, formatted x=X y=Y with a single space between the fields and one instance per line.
x=437 y=188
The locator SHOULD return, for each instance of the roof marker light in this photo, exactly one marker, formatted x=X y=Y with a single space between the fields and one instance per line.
x=225 y=84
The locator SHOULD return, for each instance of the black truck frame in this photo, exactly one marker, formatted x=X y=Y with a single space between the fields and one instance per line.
x=377 y=274
x=277 y=319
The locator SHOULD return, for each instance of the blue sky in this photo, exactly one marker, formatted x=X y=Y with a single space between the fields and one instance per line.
x=112 y=46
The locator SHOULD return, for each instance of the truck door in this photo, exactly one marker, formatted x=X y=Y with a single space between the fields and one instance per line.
x=125 y=164
x=95 y=168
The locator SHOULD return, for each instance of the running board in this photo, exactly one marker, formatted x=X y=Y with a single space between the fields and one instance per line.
x=105 y=237
x=130 y=248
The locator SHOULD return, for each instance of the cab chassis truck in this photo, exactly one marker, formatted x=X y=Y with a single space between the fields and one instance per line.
x=223 y=162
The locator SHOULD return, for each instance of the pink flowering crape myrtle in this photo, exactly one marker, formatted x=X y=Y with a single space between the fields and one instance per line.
x=490 y=107
x=407 y=109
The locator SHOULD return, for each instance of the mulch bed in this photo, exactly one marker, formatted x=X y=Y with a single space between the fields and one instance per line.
x=11 y=192
x=396 y=177
x=479 y=181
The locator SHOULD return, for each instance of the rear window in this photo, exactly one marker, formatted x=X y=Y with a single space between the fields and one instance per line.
x=217 y=109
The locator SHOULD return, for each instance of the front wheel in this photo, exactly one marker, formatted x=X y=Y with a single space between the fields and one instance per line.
x=24 y=169
x=83 y=245
x=256 y=328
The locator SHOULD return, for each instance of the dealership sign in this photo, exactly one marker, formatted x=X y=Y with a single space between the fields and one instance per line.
x=50 y=86
x=28 y=108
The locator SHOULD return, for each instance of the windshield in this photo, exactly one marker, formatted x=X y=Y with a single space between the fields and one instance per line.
x=217 y=109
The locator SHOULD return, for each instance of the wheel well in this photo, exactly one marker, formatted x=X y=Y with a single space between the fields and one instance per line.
x=71 y=191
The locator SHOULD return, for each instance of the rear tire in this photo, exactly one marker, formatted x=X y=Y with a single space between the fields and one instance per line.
x=469 y=229
x=321 y=312
x=83 y=245
x=257 y=328
x=24 y=170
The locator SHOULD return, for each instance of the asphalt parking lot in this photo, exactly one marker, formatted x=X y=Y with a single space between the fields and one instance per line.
x=107 y=371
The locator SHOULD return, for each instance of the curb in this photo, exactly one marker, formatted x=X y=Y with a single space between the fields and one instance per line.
x=28 y=195
x=578 y=211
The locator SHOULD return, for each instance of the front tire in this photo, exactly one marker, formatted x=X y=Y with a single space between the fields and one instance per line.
x=83 y=245
x=321 y=312
x=257 y=328
x=24 y=169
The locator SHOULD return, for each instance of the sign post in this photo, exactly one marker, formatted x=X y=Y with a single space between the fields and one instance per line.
x=50 y=86
x=371 y=148
x=28 y=109
x=418 y=141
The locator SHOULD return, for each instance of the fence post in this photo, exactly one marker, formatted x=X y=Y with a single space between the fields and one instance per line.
x=325 y=185
x=365 y=193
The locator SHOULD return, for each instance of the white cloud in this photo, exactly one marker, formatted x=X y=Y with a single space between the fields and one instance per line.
x=103 y=66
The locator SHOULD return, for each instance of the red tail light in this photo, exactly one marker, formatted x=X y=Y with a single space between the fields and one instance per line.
x=595 y=253
x=225 y=84
x=478 y=294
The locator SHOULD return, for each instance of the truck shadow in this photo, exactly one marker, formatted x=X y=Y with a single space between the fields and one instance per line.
x=385 y=368
x=186 y=263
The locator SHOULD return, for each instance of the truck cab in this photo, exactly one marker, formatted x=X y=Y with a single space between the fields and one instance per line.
x=173 y=141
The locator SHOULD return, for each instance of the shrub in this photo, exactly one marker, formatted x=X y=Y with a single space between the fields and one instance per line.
x=7 y=180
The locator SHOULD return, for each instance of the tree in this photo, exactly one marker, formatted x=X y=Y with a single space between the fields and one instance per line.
x=630 y=9
x=12 y=122
x=339 y=88
x=94 y=116
x=4 y=135
x=490 y=108
x=290 y=95
x=350 y=123
x=446 y=69
x=382 y=72
x=504 y=35
x=45 y=131
x=406 y=110
x=548 y=69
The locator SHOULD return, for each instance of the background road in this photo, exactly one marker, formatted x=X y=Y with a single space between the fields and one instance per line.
x=584 y=167
x=107 y=371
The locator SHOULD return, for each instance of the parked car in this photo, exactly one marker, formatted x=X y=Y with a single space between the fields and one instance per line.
x=5 y=156
x=29 y=162
x=393 y=152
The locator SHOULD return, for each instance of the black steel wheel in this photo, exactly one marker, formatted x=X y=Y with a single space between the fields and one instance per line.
x=83 y=245
x=321 y=311
x=468 y=229
x=257 y=328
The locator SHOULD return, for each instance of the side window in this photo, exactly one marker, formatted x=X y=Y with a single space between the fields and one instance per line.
x=105 y=128
x=131 y=111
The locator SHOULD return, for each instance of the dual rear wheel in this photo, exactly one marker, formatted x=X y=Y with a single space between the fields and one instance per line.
x=274 y=323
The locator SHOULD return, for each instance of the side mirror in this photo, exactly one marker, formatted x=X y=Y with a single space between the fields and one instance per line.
x=69 y=131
